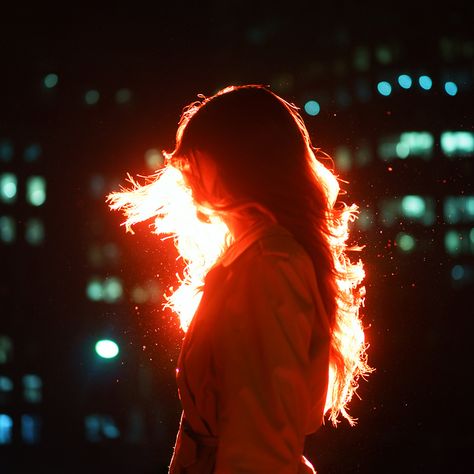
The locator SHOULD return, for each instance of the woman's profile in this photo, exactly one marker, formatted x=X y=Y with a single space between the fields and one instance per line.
x=274 y=342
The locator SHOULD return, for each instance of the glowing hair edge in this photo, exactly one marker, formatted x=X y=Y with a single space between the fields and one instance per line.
x=348 y=352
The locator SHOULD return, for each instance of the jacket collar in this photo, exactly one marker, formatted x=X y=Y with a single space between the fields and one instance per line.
x=251 y=235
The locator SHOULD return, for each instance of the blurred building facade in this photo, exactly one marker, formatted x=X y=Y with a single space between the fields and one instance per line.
x=87 y=356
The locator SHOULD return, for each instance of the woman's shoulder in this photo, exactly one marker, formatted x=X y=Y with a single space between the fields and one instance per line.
x=280 y=242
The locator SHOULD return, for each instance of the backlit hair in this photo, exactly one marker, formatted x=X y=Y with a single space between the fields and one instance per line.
x=267 y=163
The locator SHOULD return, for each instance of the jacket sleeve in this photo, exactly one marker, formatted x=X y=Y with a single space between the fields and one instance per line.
x=262 y=359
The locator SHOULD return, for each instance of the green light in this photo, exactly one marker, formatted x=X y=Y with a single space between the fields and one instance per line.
x=415 y=144
x=425 y=82
x=6 y=384
x=7 y=229
x=32 y=388
x=451 y=88
x=92 y=97
x=459 y=209
x=402 y=150
x=457 y=143
x=50 y=80
x=413 y=206
x=312 y=108
x=383 y=54
x=6 y=346
x=384 y=88
x=36 y=190
x=8 y=187
x=123 y=96
x=362 y=58
x=405 y=242
x=112 y=289
x=106 y=349
x=94 y=290
x=34 y=232
x=343 y=158
x=452 y=242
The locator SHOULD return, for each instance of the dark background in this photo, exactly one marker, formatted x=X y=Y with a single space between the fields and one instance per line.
x=89 y=414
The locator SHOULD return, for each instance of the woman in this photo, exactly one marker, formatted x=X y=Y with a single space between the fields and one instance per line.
x=276 y=342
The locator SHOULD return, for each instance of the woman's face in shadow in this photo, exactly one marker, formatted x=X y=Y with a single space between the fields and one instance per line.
x=207 y=172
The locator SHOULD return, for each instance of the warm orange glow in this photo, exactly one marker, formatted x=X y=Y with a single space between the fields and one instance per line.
x=348 y=334
x=168 y=200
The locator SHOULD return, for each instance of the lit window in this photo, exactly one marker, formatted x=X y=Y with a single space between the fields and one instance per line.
x=6 y=150
x=139 y=295
x=153 y=158
x=459 y=242
x=451 y=88
x=362 y=59
x=383 y=55
x=94 y=289
x=405 y=242
x=6 y=388
x=91 y=97
x=405 y=145
x=154 y=291
x=100 y=428
x=411 y=207
x=122 y=96
x=107 y=349
x=342 y=157
x=102 y=254
x=112 y=289
x=6 y=428
x=456 y=144
x=32 y=388
x=8 y=187
x=461 y=275
x=32 y=152
x=36 y=190
x=459 y=209
x=6 y=349
x=50 y=80
x=384 y=88
x=405 y=81
x=30 y=428
x=312 y=107
x=425 y=82
x=7 y=229
x=34 y=231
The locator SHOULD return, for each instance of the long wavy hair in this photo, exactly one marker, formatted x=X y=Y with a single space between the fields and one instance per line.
x=266 y=163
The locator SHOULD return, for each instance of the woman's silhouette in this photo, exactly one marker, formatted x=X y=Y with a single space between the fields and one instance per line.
x=276 y=342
